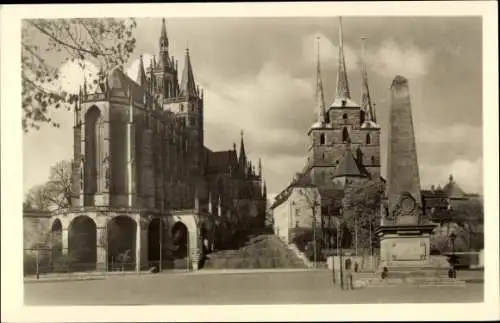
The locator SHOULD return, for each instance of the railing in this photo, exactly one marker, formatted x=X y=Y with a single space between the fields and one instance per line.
x=285 y=260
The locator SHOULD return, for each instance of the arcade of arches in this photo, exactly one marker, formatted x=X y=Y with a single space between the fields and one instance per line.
x=122 y=242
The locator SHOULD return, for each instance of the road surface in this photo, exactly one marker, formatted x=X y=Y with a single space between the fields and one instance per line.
x=304 y=287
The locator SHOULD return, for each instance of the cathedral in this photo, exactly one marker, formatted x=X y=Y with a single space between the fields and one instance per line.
x=144 y=182
x=344 y=145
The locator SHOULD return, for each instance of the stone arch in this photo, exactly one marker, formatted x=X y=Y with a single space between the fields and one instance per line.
x=345 y=134
x=180 y=239
x=121 y=243
x=93 y=153
x=82 y=243
x=156 y=241
x=56 y=238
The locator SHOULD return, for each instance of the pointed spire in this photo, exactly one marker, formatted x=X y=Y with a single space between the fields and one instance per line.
x=260 y=168
x=320 y=100
x=243 y=156
x=153 y=65
x=366 y=104
x=188 y=87
x=264 y=190
x=141 y=73
x=163 y=36
x=196 y=200
x=342 y=83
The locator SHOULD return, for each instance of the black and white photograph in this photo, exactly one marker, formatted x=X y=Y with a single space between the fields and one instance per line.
x=191 y=156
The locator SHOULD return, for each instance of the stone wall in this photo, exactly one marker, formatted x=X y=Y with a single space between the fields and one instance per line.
x=35 y=228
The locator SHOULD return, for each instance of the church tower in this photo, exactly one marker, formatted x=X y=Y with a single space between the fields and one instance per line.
x=165 y=79
x=343 y=125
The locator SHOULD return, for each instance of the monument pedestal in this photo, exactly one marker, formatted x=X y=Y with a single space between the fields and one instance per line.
x=405 y=259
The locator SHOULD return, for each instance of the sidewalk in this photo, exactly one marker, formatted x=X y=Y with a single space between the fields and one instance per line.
x=104 y=275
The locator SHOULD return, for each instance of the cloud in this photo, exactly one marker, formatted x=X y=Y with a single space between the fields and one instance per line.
x=391 y=59
x=73 y=75
x=329 y=53
x=467 y=174
x=133 y=68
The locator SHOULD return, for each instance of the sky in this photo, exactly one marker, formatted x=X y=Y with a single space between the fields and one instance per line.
x=258 y=76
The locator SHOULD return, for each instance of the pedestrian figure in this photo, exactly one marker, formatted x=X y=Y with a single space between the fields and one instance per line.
x=348 y=273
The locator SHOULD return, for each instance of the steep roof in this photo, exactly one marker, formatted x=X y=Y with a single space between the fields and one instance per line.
x=348 y=166
x=188 y=86
x=453 y=190
x=220 y=161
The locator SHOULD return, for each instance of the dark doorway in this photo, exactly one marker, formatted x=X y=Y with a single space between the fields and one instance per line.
x=56 y=240
x=180 y=240
x=82 y=243
x=121 y=233
x=156 y=238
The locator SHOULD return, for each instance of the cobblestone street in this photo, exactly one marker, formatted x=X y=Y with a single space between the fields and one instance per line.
x=306 y=287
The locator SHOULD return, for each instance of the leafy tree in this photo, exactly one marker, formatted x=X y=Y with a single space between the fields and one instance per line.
x=58 y=189
x=47 y=43
x=361 y=203
x=36 y=199
x=56 y=192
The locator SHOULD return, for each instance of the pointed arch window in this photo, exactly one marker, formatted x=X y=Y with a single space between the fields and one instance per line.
x=344 y=116
x=368 y=139
x=322 y=139
x=345 y=135
x=362 y=116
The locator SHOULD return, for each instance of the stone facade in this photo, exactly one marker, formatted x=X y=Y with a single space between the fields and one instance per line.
x=344 y=142
x=139 y=153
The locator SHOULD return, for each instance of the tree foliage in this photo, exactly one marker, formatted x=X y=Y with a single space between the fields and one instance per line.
x=361 y=204
x=46 y=44
x=55 y=193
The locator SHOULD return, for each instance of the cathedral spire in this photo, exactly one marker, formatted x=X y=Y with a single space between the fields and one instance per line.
x=366 y=103
x=260 y=168
x=320 y=99
x=163 y=36
x=342 y=83
x=243 y=156
x=141 y=73
x=188 y=87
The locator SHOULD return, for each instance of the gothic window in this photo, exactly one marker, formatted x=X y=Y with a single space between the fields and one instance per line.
x=344 y=116
x=93 y=150
x=362 y=117
x=322 y=139
x=368 y=139
x=345 y=135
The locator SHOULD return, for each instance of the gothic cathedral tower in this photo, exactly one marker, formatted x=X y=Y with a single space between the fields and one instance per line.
x=343 y=125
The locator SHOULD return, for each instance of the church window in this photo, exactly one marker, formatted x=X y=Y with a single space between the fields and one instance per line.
x=345 y=135
x=368 y=139
x=362 y=117
x=344 y=116
x=322 y=139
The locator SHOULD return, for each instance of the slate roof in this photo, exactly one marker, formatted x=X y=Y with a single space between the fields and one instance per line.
x=348 y=166
x=220 y=161
x=453 y=190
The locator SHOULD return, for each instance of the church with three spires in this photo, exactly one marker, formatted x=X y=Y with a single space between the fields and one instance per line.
x=143 y=178
x=344 y=145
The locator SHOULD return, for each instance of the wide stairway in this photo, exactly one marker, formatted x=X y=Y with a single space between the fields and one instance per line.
x=254 y=251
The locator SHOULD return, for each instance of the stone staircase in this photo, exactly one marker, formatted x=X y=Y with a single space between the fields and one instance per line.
x=260 y=251
x=300 y=255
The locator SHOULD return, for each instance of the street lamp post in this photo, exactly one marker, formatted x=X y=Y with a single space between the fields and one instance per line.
x=453 y=236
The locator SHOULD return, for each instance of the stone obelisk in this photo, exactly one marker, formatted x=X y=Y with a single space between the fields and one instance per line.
x=404 y=232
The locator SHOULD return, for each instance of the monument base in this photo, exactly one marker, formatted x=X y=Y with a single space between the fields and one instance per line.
x=405 y=259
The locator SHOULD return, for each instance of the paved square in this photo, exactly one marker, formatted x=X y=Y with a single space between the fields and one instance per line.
x=232 y=289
